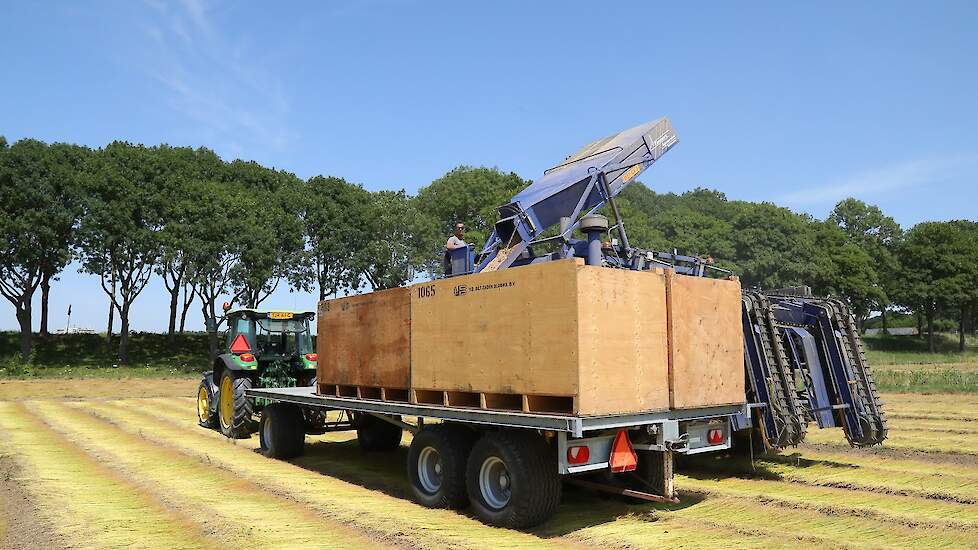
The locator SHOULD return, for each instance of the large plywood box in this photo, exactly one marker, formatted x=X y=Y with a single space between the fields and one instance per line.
x=364 y=340
x=707 y=342
x=594 y=336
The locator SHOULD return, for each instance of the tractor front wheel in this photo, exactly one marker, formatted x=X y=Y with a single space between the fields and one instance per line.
x=206 y=415
x=234 y=409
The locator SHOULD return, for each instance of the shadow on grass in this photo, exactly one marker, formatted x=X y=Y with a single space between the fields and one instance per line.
x=385 y=472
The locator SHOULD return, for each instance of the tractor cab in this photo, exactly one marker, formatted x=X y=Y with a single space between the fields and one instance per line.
x=272 y=336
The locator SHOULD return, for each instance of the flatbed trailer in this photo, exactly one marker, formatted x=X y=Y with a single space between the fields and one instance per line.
x=507 y=465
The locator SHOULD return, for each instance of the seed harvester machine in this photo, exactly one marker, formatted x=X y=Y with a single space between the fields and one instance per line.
x=804 y=359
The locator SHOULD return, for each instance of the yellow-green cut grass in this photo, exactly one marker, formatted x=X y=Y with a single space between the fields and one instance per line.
x=817 y=529
x=902 y=423
x=915 y=483
x=237 y=512
x=907 y=439
x=68 y=388
x=838 y=502
x=875 y=461
x=86 y=501
x=394 y=517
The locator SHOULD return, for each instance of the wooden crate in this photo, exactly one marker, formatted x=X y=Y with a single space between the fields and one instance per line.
x=552 y=337
x=561 y=336
x=706 y=342
x=363 y=341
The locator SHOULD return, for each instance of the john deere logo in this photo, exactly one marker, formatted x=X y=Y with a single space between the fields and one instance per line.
x=460 y=290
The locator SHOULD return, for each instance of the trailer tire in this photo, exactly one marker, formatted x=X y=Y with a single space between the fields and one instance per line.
x=376 y=435
x=281 y=433
x=512 y=479
x=233 y=407
x=436 y=465
x=206 y=411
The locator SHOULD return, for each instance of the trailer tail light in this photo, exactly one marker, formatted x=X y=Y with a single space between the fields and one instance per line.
x=240 y=344
x=247 y=357
x=312 y=357
x=578 y=455
x=623 y=457
x=715 y=436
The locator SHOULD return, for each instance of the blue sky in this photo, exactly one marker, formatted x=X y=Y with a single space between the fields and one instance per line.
x=801 y=104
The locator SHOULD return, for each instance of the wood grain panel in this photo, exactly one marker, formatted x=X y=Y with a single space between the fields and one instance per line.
x=707 y=346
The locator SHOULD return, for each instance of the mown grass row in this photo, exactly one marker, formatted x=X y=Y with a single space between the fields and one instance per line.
x=86 y=500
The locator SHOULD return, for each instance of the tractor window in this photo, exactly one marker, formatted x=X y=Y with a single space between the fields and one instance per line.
x=243 y=325
x=284 y=336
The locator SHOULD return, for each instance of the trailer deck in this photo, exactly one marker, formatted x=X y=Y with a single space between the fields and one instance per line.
x=573 y=425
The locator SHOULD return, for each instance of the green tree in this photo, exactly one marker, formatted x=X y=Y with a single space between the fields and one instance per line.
x=876 y=234
x=271 y=245
x=39 y=212
x=181 y=212
x=773 y=245
x=937 y=260
x=842 y=268
x=119 y=235
x=470 y=196
x=334 y=215
x=213 y=249
x=400 y=238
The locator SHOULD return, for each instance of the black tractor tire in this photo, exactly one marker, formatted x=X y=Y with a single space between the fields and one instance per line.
x=512 y=479
x=206 y=409
x=280 y=433
x=240 y=424
x=436 y=465
x=376 y=435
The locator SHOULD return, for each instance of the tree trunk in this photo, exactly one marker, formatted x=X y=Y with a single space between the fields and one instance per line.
x=920 y=324
x=209 y=314
x=172 y=326
x=24 y=320
x=883 y=320
x=964 y=315
x=189 y=291
x=124 y=334
x=45 y=289
x=108 y=328
x=931 y=345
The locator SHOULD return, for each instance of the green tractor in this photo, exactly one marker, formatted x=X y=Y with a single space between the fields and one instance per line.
x=263 y=349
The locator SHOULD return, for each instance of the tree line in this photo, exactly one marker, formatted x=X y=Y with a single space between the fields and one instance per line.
x=217 y=231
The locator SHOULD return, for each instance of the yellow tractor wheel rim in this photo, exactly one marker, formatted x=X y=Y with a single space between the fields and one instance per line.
x=227 y=402
x=202 y=404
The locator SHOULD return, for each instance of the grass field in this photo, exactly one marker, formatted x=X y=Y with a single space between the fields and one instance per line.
x=83 y=467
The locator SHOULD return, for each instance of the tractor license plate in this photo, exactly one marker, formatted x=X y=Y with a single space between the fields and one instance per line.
x=280 y=315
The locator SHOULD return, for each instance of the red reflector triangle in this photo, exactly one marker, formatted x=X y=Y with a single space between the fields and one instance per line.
x=240 y=344
x=623 y=457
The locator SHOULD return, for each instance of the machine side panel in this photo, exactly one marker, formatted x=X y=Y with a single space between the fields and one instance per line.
x=364 y=340
x=508 y=332
x=623 y=345
x=707 y=351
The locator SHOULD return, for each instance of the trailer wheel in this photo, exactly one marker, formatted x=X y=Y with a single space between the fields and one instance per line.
x=375 y=434
x=436 y=465
x=206 y=415
x=233 y=408
x=512 y=479
x=281 y=433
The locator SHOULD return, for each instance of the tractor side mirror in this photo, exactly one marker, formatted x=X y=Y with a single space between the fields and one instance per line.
x=210 y=324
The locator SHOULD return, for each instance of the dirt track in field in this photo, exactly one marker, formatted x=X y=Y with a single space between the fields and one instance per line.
x=81 y=468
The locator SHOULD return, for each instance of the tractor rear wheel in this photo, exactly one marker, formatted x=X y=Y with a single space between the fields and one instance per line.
x=206 y=415
x=375 y=434
x=234 y=409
